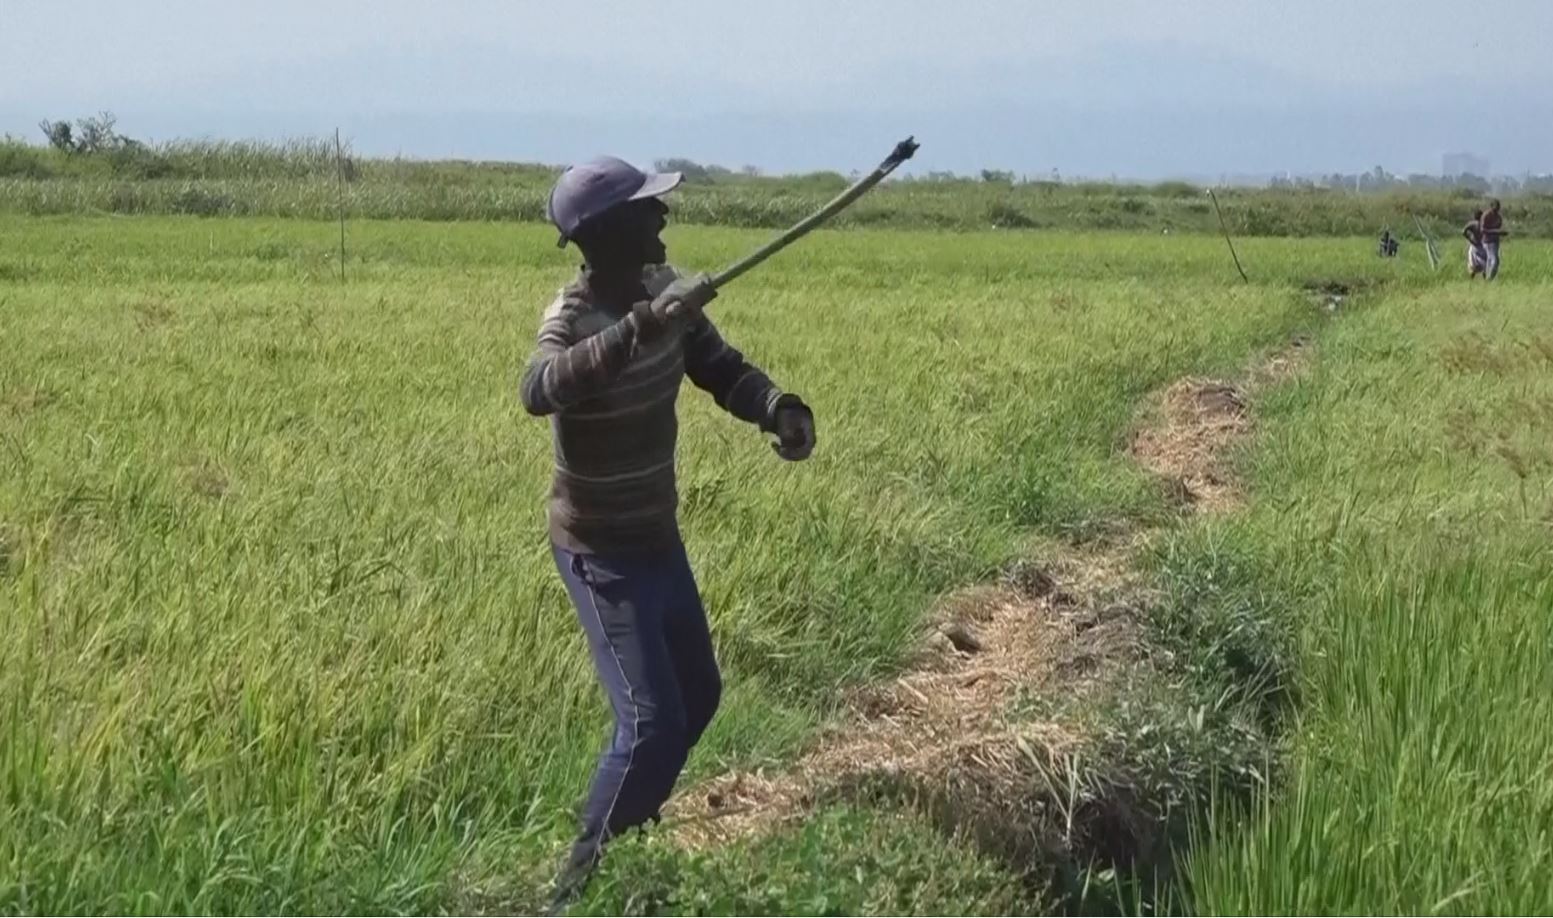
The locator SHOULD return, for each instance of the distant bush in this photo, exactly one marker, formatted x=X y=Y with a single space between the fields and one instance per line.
x=138 y=163
x=60 y=136
x=20 y=160
x=1003 y=215
x=693 y=171
x=1176 y=190
x=831 y=182
x=88 y=136
x=200 y=202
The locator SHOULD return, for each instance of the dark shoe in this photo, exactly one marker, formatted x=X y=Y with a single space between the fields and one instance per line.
x=572 y=879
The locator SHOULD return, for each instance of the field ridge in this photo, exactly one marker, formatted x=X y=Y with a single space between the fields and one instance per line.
x=968 y=733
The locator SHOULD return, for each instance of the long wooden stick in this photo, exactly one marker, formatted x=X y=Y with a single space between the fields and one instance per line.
x=1225 y=229
x=339 y=175
x=902 y=152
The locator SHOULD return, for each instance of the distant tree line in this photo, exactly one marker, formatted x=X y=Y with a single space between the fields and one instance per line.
x=1379 y=179
x=98 y=137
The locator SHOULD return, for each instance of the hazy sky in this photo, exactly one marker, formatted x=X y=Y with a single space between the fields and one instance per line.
x=1138 y=87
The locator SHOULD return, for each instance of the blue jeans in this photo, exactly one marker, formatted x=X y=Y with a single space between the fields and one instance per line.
x=1491 y=268
x=648 y=636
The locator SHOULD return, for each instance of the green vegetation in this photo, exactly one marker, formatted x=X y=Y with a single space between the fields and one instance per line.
x=282 y=634
x=845 y=862
x=300 y=179
x=1408 y=487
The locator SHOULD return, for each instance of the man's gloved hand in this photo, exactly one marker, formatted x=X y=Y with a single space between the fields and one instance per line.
x=683 y=298
x=793 y=428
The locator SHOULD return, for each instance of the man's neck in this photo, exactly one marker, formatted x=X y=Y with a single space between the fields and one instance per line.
x=617 y=284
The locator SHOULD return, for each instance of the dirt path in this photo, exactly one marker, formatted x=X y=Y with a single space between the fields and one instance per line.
x=1200 y=419
x=966 y=731
x=942 y=731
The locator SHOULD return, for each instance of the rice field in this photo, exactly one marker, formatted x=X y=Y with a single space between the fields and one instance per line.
x=283 y=633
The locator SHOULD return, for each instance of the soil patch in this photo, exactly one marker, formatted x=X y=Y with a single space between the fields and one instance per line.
x=960 y=734
x=1200 y=419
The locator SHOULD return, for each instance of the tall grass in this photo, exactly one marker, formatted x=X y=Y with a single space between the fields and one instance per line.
x=281 y=629
x=282 y=634
x=1410 y=489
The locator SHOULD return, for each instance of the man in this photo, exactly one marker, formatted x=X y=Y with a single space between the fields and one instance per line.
x=1493 y=230
x=613 y=349
x=1476 y=257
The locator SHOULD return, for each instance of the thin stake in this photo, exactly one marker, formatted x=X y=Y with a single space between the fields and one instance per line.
x=1434 y=257
x=339 y=174
x=1225 y=229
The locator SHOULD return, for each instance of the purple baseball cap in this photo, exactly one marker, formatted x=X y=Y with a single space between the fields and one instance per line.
x=588 y=189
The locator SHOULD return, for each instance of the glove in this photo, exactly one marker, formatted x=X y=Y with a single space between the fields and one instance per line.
x=794 y=430
x=684 y=298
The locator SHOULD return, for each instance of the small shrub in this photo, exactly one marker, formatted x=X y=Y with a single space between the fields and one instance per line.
x=1177 y=190
x=200 y=202
x=1003 y=215
x=18 y=160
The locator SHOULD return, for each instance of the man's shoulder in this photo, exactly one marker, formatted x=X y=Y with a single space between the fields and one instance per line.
x=568 y=300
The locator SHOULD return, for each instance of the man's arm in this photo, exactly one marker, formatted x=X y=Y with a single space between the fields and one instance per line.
x=563 y=371
x=740 y=387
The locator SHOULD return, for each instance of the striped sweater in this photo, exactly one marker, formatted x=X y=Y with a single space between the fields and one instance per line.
x=609 y=384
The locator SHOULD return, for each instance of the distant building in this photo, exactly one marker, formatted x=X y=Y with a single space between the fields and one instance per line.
x=1464 y=164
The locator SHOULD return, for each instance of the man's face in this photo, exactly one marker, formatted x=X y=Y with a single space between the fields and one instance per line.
x=652 y=215
x=629 y=233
